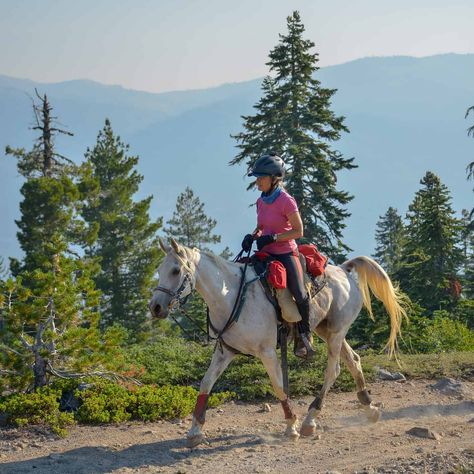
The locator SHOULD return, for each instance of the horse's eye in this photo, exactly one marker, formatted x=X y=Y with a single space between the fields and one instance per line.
x=175 y=271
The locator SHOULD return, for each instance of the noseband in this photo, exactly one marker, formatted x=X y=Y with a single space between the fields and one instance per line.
x=176 y=299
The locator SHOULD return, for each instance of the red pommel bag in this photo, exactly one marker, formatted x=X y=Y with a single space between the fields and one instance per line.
x=315 y=262
x=276 y=275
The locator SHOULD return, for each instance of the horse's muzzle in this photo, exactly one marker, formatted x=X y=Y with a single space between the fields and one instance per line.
x=158 y=311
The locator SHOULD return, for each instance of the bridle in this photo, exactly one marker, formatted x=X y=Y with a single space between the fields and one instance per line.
x=176 y=299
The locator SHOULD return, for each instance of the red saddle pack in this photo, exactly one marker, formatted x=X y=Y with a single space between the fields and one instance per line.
x=315 y=262
x=276 y=275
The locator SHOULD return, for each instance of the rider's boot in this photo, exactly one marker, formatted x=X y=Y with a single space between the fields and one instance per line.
x=304 y=345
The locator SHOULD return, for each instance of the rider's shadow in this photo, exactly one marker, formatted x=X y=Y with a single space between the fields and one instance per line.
x=100 y=460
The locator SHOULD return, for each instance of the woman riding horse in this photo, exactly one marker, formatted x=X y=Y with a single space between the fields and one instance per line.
x=278 y=225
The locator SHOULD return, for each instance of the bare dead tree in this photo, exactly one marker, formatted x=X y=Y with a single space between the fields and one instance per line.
x=44 y=121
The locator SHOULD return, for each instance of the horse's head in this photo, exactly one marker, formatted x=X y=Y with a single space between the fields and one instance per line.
x=177 y=279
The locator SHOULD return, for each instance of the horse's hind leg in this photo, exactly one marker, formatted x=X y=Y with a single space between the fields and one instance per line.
x=273 y=368
x=334 y=342
x=220 y=360
x=352 y=360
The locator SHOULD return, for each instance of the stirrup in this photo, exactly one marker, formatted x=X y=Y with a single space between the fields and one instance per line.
x=304 y=348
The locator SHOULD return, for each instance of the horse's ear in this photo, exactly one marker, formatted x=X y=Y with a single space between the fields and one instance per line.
x=164 y=247
x=176 y=247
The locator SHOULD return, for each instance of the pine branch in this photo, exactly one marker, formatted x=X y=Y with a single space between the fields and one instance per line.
x=25 y=343
x=9 y=349
x=114 y=377
x=9 y=372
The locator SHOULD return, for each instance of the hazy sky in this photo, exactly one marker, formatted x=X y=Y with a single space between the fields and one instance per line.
x=159 y=45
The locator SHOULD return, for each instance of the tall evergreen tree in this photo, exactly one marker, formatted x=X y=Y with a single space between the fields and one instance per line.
x=126 y=243
x=49 y=309
x=467 y=239
x=431 y=255
x=389 y=237
x=294 y=119
x=190 y=225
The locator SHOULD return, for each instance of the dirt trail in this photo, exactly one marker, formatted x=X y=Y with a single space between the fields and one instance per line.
x=243 y=438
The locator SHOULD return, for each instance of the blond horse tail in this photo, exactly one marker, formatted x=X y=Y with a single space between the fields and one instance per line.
x=372 y=275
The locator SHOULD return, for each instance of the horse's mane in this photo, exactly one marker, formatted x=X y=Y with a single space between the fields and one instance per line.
x=220 y=262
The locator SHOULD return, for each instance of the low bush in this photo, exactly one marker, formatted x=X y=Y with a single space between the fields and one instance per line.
x=440 y=334
x=40 y=407
x=103 y=402
x=156 y=403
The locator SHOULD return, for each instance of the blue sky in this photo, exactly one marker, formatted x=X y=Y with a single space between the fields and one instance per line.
x=160 y=45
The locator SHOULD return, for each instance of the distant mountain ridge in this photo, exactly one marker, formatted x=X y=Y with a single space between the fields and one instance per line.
x=405 y=114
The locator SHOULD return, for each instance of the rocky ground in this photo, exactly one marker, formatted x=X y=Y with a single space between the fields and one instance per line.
x=247 y=438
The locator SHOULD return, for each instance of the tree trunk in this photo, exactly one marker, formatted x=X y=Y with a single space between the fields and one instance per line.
x=39 y=369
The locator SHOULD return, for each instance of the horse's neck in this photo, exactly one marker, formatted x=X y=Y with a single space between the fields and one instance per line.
x=217 y=282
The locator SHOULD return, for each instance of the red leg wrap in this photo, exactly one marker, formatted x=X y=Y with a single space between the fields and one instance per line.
x=285 y=404
x=201 y=407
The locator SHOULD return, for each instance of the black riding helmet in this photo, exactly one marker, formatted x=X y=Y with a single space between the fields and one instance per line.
x=268 y=165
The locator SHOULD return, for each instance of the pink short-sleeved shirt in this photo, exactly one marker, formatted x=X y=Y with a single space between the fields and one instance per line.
x=273 y=219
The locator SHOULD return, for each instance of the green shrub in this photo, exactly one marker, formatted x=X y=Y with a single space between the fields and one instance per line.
x=39 y=407
x=447 y=335
x=104 y=402
x=219 y=398
x=156 y=403
x=441 y=334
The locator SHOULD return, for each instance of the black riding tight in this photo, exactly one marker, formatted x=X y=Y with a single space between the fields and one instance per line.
x=294 y=276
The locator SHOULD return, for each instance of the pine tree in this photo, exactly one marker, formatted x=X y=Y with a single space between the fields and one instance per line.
x=190 y=225
x=49 y=308
x=389 y=237
x=126 y=243
x=294 y=119
x=467 y=238
x=431 y=255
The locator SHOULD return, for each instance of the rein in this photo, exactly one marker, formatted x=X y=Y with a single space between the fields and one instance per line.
x=236 y=310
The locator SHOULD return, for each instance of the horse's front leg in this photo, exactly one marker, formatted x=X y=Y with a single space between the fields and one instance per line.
x=273 y=368
x=220 y=360
x=334 y=342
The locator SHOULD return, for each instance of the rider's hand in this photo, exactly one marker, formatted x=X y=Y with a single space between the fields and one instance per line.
x=265 y=240
x=247 y=243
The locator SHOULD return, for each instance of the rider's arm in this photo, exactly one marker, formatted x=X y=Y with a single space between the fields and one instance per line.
x=296 y=231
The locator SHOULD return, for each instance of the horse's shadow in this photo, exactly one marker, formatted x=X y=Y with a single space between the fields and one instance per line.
x=99 y=460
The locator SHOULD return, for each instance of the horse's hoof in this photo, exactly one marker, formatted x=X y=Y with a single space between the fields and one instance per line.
x=373 y=414
x=292 y=434
x=307 y=430
x=193 y=441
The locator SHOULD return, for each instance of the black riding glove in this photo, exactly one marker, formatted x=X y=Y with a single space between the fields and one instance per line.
x=247 y=243
x=265 y=240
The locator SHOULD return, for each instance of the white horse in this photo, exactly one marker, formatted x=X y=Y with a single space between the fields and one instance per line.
x=333 y=311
